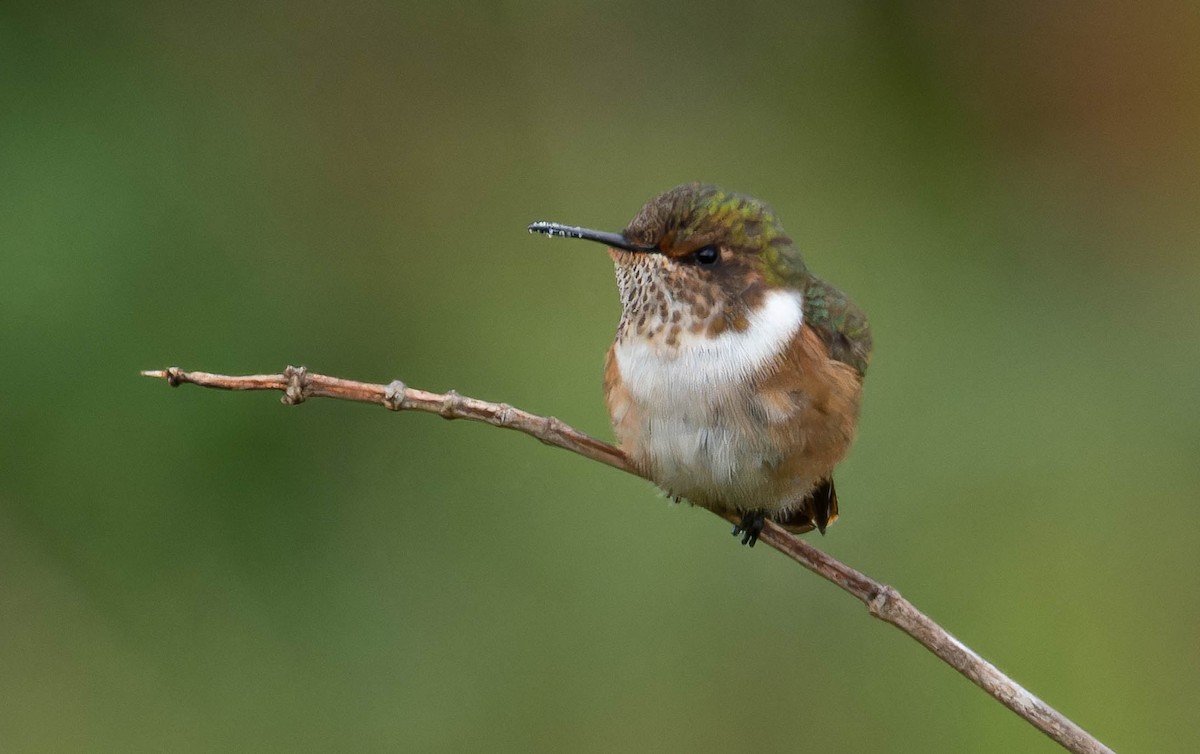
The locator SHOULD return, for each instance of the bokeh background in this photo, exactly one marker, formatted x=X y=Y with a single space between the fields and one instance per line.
x=1011 y=193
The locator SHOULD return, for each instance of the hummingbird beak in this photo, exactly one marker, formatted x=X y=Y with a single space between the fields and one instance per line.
x=615 y=240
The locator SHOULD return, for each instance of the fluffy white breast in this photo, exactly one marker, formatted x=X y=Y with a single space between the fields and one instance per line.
x=694 y=401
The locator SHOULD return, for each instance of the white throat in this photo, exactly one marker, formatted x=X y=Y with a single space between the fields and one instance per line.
x=655 y=371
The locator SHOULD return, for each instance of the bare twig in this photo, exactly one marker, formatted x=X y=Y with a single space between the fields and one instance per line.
x=882 y=601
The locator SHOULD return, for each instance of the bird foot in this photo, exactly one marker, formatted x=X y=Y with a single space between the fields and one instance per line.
x=750 y=526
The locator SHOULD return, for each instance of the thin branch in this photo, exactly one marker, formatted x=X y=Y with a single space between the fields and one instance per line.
x=882 y=601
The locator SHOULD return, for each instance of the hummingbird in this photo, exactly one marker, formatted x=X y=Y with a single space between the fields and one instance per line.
x=735 y=377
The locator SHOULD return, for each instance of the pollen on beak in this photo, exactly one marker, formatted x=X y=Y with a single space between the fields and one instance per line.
x=615 y=240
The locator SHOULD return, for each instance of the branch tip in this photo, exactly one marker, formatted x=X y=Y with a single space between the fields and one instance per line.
x=173 y=375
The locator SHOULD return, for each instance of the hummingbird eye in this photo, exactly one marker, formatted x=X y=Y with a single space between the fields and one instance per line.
x=707 y=255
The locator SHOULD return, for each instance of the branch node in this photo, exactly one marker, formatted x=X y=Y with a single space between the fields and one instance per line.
x=504 y=414
x=554 y=426
x=882 y=600
x=297 y=385
x=394 y=395
x=174 y=376
x=451 y=405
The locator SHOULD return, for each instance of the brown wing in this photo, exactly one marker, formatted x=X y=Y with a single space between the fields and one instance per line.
x=819 y=396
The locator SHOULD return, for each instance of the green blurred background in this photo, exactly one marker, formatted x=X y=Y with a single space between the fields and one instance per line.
x=1010 y=193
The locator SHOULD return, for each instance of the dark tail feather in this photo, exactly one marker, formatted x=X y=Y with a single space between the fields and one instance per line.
x=824 y=504
x=819 y=510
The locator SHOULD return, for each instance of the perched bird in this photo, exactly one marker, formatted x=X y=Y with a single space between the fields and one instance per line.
x=736 y=374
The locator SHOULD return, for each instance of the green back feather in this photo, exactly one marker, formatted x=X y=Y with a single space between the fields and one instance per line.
x=840 y=324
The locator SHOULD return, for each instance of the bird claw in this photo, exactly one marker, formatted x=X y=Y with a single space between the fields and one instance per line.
x=750 y=526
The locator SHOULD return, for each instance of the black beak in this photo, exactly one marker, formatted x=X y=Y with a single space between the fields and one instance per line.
x=615 y=240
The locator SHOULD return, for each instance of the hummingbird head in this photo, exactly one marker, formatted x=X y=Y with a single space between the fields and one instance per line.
x=695 y=257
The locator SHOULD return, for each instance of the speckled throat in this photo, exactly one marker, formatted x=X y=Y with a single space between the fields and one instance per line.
x=667 y=302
